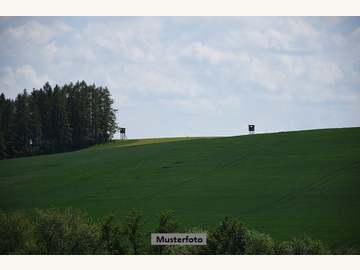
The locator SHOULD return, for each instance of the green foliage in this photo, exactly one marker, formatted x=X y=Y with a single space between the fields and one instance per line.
x=259 y=243
x=22 y=129
x=187 y=250
x=56 y=120
x=36 y=133
x=7 y=113
x=65 y=232
x=2 y=146
x=133 y=231
x=232 y=237
x=69 y=231
x=2 y=126
x=167 y=224
x=61 y=127
x=15 y=233
x=228 y=238
x=346 y=250
x=284 y=248
x=113 y=238
x=302 y=246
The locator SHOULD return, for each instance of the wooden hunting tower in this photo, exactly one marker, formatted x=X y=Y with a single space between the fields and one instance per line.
x=122 y=133
x=251 y=129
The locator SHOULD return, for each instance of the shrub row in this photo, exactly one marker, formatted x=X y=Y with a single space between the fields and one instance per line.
x=70 y=231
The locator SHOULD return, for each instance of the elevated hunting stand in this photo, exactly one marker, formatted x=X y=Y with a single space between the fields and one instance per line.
x=251 y=129
x=122 y=133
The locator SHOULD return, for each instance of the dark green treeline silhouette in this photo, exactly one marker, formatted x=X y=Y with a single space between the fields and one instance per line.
x=51 y=120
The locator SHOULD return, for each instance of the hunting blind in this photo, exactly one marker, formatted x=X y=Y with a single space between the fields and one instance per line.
x=251 y=129
x=122 y=133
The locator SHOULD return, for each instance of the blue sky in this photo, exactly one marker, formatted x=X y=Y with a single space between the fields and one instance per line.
x=196 y=76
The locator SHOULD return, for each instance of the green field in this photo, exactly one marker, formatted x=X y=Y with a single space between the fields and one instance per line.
x=285 y=184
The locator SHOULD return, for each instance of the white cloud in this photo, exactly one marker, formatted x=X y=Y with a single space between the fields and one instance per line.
x=29 y=74
x=15 y=80
x=300 y=28
x=35 y=32
x=156 y=83
x=202 y=52
x=49 y=51
x=311 y=94
x=294 y=65
x=325 y=72
x=192 y=106
x=292 y=34
x=7 y=78
x=135 y=40
x=239 y=65
x=309 y=68
x=202 y=104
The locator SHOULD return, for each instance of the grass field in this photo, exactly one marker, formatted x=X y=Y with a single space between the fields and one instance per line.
x=284 y=184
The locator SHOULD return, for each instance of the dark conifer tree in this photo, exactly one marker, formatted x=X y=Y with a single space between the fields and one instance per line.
x=22 y=133
x=55 y=120
x=6 y=126
x=59 y=120
x=73 y=101
x=35 y=123
x=85 y=116
x=2 y=128
x=109 y=125
x=44 y=102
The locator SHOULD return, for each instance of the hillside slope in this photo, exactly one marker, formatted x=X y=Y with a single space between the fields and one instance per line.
x=284 y=184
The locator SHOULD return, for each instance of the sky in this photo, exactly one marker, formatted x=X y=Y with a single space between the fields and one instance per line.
x=196 y=76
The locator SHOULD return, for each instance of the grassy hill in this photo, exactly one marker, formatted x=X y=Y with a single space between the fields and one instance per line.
x=284 y=184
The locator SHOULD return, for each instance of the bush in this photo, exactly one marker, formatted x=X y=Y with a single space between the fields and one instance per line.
x=69 y=231
x=112 y=237
x=15 y=233
x=284 y=248
x=187 y=250
x=350 y=250
x=302 y=246
x=65 y=232
x=167 y=224
x=259 y=243
x=228 y=238
x=133 y=231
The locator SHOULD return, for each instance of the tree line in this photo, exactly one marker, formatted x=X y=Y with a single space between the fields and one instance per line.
x=55 y=119
x=70 y=231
